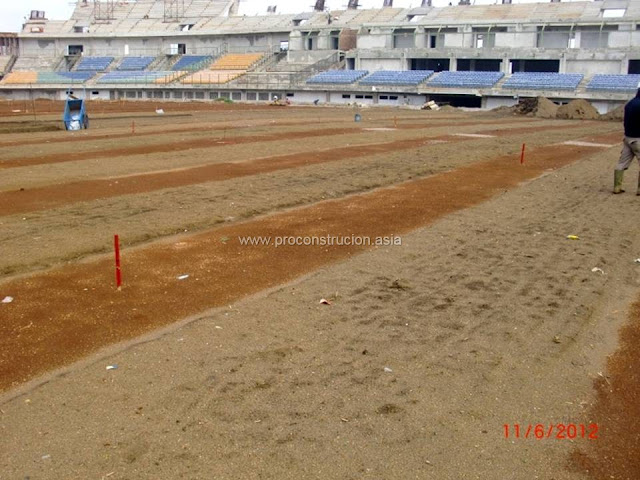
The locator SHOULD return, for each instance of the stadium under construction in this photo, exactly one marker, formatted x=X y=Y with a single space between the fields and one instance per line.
x=482 y=56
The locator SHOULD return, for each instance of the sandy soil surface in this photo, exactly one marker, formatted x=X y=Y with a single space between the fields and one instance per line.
x=488 y=317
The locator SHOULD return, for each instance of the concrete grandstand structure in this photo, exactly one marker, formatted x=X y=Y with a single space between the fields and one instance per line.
x=465 y=55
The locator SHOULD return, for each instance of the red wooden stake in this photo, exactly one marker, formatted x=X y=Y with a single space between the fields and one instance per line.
x=522 y=155
x=116 y=243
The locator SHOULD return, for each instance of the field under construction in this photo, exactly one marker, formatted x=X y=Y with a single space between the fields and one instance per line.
x=505 y=300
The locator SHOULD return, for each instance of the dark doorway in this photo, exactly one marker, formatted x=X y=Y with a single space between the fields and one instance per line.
x=478 y=65
x=435 y=64
x=470 y=101
x=73 y=50
x=535 y=66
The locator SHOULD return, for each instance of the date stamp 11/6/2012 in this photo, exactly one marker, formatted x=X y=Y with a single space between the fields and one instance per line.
x=555 y=431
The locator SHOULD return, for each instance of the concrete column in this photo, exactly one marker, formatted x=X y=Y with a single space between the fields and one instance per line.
x=563 y=63
x=296 y=41
x=504 y=67
x=324 y=41
x=453 y=64
x=421 y=38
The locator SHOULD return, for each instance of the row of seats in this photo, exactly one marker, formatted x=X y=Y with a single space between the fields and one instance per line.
x=447 y=79
x=94 y=64
x=138 y=77
x=544 y=81
x=224 y=69
x=338 y=77
x=236 y=61
x=48 y=78
x=129 y=64
x=189 y=62
x=621 y=83
x=394 y=77
x=409 y=77
x=466 y=79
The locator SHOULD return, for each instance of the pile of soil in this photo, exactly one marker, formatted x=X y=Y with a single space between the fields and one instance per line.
x=578 y=110
x=503 y=110
x=540 y=107
x=615 y=115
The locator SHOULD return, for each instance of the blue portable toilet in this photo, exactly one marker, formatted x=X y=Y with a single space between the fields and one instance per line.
x=75 y=114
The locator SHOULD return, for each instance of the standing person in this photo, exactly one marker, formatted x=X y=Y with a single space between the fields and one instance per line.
x=630 y=144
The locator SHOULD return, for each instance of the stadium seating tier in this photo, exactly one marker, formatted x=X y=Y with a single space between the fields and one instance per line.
x=449 y=79
x=393 y=77
x=338 y=77
x=544 y=81
x=94 y=64
x=619 y=83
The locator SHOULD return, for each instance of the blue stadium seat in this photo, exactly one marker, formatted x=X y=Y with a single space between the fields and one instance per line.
x=338 y=77
x=619 y=83
x=449 y=79
x=393 y=77
x=135 y=63
x=543 y=81
x=94 y=64
x=187 y=62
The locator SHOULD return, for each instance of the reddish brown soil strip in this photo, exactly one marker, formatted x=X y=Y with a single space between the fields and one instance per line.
x=192 y=143
x=113 y=136
x=215 y=126
x=52 y=196
x=181 y=146
x=616 y=452
x=63 y=315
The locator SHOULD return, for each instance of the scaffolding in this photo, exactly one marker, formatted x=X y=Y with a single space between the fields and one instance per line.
x=173 y=10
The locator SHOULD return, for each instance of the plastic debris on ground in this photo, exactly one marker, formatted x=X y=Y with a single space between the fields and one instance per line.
x=388 y=370
x=183 y=277
x=324 y=301
x=112 y=367
x=573 y=237
x=7 y=300
x=596 y=269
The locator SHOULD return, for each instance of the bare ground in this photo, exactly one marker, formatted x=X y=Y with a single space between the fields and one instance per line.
x=489 y=316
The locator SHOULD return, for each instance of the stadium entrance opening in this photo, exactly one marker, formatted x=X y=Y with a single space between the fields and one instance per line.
x=178 y=48
x=75 y=50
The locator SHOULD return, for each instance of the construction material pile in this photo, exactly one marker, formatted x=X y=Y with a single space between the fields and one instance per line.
x=578 y=109
x=540 y=107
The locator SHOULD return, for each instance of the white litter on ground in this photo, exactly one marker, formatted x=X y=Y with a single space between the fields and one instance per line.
x=588 y=144
x=473 y=135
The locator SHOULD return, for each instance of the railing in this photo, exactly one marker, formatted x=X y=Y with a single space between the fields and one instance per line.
x=283 y=80
x=324 y=64
x=267 y=61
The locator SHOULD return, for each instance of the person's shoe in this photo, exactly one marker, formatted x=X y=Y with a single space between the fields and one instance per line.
x=618 y=175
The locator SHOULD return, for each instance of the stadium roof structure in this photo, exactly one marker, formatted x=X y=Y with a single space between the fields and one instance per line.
x=147 y=17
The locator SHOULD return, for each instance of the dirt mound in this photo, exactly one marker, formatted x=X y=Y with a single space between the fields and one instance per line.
x=615 y=115
x=503 y=110
x=578 y=110
x=539 y=107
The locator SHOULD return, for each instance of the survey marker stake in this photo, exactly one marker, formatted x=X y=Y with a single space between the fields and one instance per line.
x=116 y=244
x=522 y=154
